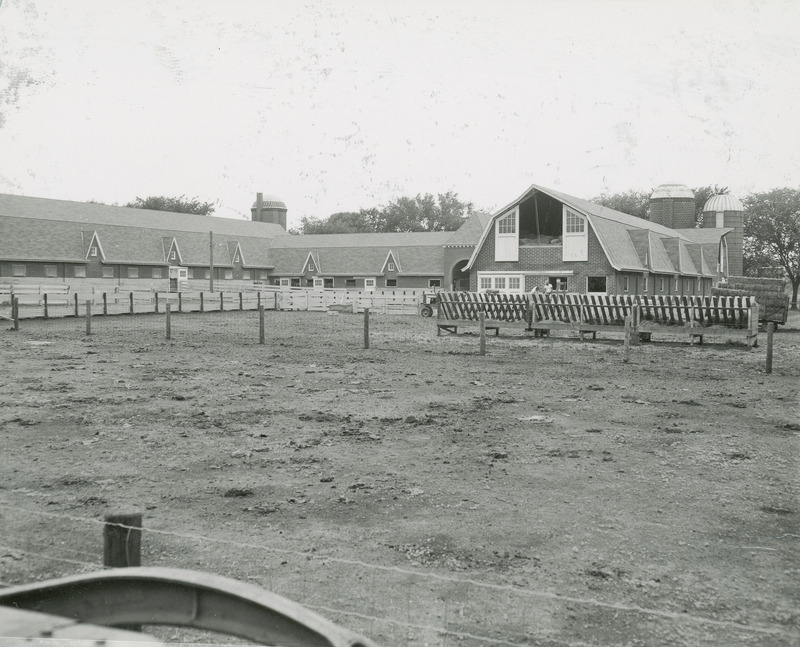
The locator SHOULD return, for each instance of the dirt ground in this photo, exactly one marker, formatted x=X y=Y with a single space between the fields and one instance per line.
x=545 y=494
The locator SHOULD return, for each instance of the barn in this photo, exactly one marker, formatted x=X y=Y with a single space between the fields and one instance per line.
x=54 y=242
x=546 y=236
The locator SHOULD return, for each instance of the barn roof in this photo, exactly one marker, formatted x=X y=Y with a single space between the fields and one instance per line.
x=623 y=237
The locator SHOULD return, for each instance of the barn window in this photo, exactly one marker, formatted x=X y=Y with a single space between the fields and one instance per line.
x=156 y=273
x=507 y=224
x=207 y=274
x=661 y=284
x=295 y=283
x=236 y=256
x=596 y=284
x=574 y=223
x=644 y=283
x=133 y=272
x=626 y=283
x=108 y=272
x=79 y=271
x=434 y=283
x=311 y=267
x=228 y=275
x=509 y=283
x=94 y=250
x=246 y=275
x=50 y=271
x=18 y=270
x=391 y=283
x=369 y=284
x=391 y=267
x=172 y=255
x=558 y=282
x=677 y=288
x=262 y=274
x=349 y=283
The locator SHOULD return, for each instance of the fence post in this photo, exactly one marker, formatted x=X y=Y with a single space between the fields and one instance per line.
x=770 y=332
x=122 y=544
x=366 y=327
x=482 y=328
x=15 y=312
x=180 y=301
x=76 y=304
x=168 y=309
x=221 y=301
x=88 y=316
x=241 y=303
x=258 y=297
x=627 y=342
x=131 y=295
x=156 y=295
x=260 y=324
x=201 y=301
x=105 y=303
x=44 y=296
x=634 y=324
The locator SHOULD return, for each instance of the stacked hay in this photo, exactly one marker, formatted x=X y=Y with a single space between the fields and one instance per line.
x=770 y=295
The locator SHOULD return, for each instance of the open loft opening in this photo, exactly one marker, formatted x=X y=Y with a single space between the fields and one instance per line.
x=540 y=220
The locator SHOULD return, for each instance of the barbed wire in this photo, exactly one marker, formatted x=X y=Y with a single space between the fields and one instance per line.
x=538 y=593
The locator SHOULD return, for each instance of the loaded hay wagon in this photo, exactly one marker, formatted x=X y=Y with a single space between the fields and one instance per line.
x=770 y=294
x=694 y=316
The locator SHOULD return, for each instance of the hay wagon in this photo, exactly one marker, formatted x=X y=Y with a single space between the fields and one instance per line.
x=770 y=294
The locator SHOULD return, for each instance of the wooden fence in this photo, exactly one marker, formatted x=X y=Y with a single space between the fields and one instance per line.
x=697 y=316
x=51 y=301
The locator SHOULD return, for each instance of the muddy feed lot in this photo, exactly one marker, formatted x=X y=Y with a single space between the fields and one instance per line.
x=545 y=494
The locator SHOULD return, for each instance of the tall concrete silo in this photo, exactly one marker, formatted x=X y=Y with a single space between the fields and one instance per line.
x=728 y=211
x=269 y=208
x=673 y=206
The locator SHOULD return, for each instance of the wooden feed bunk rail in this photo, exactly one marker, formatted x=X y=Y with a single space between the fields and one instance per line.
x=697 y=316
x=462 y=309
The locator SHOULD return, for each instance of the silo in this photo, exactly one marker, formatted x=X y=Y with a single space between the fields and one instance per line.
x=673 y=206
x=728 y=211
x=269 y=208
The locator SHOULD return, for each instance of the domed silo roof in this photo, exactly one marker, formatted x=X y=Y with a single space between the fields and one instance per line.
x=724 y=202
x=672 y=191
x=270 y=202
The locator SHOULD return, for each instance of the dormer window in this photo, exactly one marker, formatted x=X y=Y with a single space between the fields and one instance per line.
x=236 y=257
x=391 y=267
x=507 y=224
x=311 y=267
x=172 y=256
x=94 y=250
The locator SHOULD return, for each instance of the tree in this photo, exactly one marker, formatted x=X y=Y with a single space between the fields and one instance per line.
x=701 y=196
x=635 y=203
x=178 y=205
x=343 y=222
x=445 y=212
x=772 y=234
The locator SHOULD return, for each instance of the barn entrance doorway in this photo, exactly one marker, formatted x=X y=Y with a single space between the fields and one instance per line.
x=461 y=276
x=178 y=279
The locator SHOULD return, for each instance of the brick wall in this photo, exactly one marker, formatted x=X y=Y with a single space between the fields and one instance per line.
x=547 y=258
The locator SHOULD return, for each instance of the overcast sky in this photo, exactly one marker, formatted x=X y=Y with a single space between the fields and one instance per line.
x=335 y=106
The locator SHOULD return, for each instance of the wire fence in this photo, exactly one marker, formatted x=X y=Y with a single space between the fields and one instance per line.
x=393 y=605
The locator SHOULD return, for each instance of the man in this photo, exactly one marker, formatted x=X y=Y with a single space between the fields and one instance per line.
x=548 y=288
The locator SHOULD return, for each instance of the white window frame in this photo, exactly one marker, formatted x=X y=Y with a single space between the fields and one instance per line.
x=108 y=272
x=370 y=284
x=50 y=271
x=227 y=275
x=557 y=282
x=19 y=269
x=434 y=283
x=319 y=283
x=506 y=237
x=285 y=283
x=156 y=273
x=133 y=272
x=79 y=271
x=501 y=282
x=311 y=267
x=575 y=236
x=93 y=252
x=236 y=256
x=390 y=267
x=247 y=275
x=172 y=255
